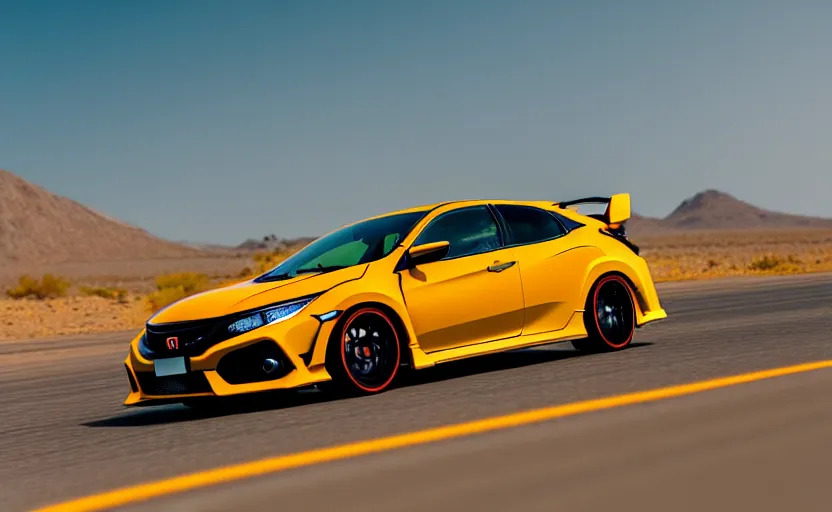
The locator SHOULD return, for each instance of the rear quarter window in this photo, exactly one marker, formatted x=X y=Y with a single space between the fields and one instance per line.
x=528 y=225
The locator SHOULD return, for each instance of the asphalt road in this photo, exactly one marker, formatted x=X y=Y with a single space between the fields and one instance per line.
x=765 y=445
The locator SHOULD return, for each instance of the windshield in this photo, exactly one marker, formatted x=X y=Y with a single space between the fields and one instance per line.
x=359 y=243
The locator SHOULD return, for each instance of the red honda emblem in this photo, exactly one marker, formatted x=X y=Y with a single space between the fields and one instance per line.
x=173 y=343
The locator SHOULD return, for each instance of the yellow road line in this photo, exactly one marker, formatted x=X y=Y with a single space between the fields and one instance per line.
x=141 y=492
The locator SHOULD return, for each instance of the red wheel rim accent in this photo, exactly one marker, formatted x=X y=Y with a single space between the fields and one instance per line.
x=598 y=287
x=395 y=371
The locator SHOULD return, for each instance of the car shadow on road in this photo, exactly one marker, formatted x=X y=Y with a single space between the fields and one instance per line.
x=498 y=362
x=245 y=404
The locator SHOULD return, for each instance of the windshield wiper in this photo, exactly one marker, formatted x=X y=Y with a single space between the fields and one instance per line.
x=275 y=277
x=291 y=275
x=319 y=268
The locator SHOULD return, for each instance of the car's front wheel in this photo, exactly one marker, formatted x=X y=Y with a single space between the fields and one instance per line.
x=609 y=316
x=365 y=353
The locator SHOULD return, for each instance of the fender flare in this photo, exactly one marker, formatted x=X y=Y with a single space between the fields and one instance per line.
x=606 y=266
x=347 y=298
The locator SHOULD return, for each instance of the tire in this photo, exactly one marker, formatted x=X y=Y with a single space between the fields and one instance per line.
x=609 y=316
x=365 y=353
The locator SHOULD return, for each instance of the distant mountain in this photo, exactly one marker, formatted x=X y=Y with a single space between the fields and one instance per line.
x=713 y=209
x=39 y=227
x=274 y=243
x=207 y=246
x=642 y=224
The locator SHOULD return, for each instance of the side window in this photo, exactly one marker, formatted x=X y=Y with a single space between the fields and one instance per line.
x=468 y=230
x=528 y=225
x=568 y=223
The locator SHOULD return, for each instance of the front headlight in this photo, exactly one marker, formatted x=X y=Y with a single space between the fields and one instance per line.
x=268 y=316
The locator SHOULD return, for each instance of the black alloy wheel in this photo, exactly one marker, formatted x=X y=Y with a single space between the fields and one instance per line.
x=369 y=350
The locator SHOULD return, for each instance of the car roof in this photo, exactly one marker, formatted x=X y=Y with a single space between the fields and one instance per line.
x=460 y=203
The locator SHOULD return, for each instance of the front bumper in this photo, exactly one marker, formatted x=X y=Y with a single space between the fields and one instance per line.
x=232 y=367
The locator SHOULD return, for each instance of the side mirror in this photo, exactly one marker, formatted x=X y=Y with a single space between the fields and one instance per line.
x=427 y=253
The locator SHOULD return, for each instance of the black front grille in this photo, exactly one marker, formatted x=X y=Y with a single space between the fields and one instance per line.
x=178 y=339
x=187 y=384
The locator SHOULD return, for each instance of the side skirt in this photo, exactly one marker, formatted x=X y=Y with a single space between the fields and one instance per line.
x=574 y=330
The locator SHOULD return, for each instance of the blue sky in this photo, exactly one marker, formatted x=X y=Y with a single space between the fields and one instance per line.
x=218 y=120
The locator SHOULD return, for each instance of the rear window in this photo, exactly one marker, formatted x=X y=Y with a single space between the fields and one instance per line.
x=528 y=225
x=566 y=222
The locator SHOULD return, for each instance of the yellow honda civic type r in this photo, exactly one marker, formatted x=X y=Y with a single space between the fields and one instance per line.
x=412 y=289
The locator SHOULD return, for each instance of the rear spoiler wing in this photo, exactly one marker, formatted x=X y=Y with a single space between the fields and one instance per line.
x=617 y=212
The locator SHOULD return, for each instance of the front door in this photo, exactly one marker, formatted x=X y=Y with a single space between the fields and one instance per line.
x=471 y=296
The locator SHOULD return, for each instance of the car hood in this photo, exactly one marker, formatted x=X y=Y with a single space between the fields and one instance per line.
x=250 y=295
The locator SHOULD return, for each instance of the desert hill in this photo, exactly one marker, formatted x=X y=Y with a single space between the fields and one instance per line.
x=715 y=210
x=39 y=227
x=274 y=243
x=640 y=224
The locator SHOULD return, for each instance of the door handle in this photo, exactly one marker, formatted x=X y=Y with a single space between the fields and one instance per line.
x=499 y=267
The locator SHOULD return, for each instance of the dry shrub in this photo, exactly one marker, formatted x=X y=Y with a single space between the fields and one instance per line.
x=766 y=263
x=706 y=255
x=173 y=287
x=266 y=261
x=774 y=263
x=161 y=298
x=117 y=294
x=189 y=282
x=49 y=287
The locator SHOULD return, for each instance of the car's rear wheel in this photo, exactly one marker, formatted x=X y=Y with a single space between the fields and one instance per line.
x=365 y=352
x=609 y=316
